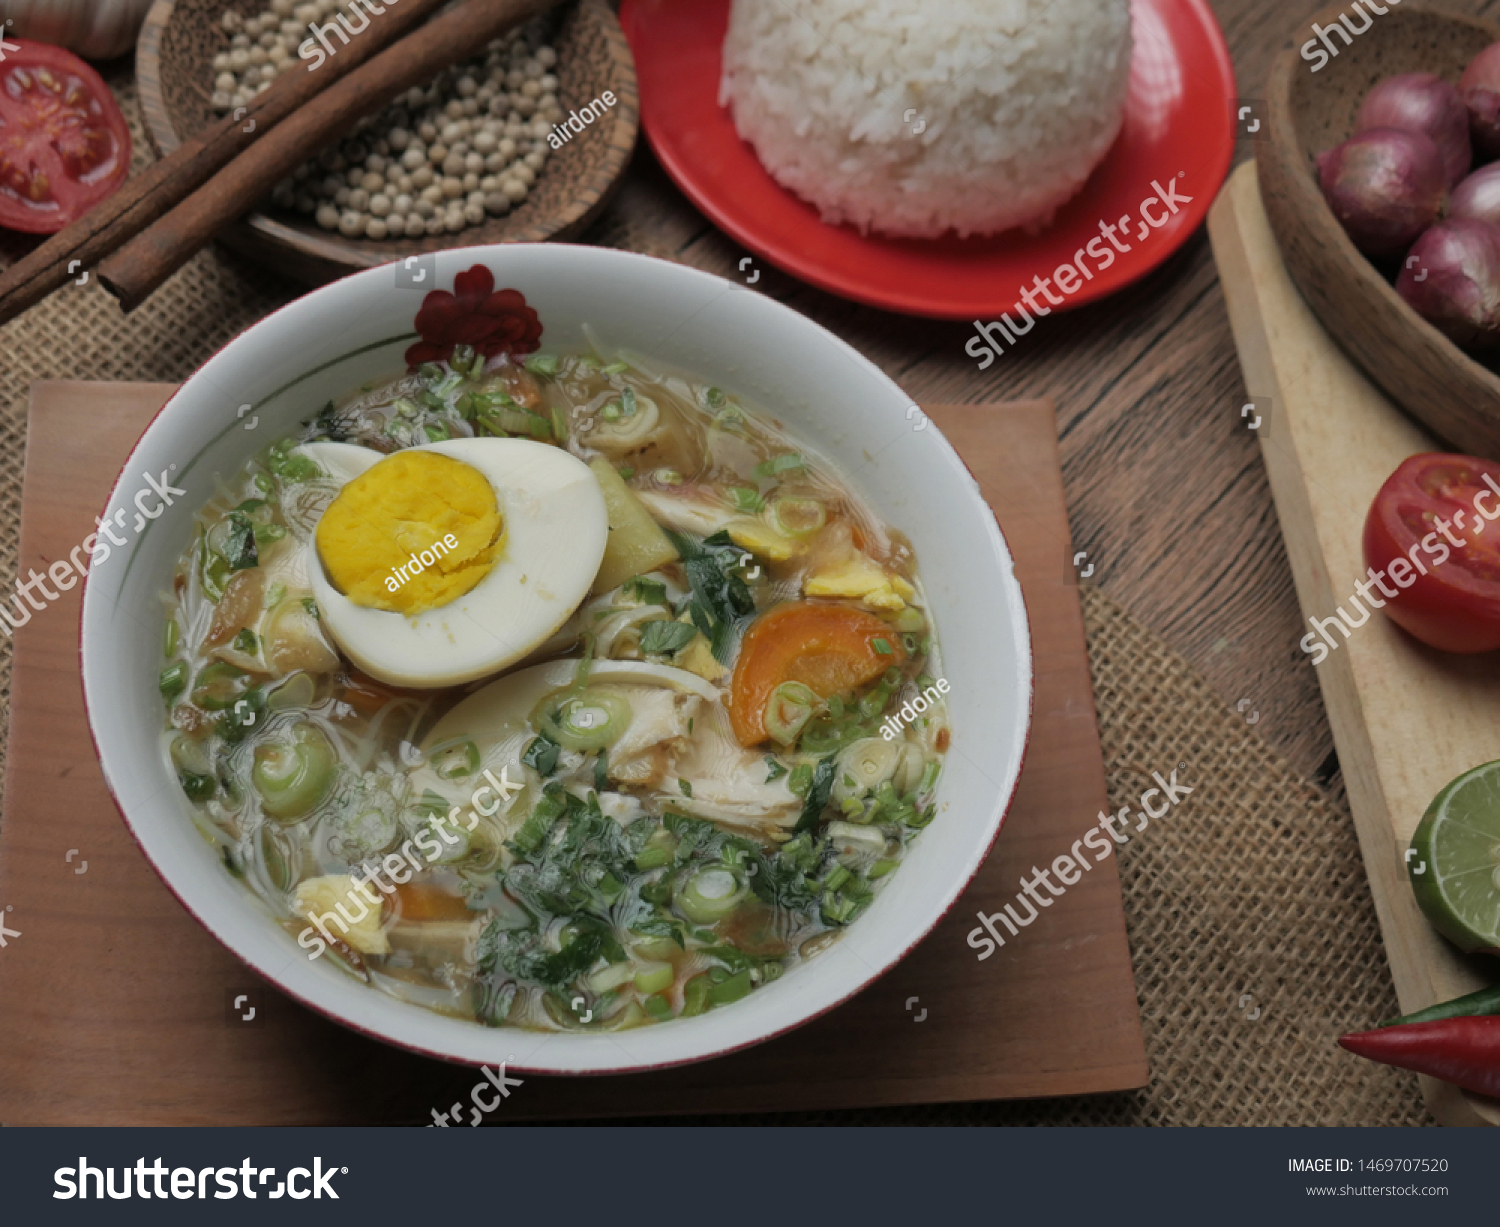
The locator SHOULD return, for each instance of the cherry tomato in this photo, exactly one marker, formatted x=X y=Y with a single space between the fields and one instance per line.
x=64 y=144
x=1437 y=512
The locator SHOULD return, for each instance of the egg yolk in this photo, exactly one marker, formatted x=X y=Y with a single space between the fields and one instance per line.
x=412 y=533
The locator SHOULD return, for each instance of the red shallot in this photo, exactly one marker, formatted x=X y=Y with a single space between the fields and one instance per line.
x=1422 y=102
x=1451 y=278
x=1385 y=186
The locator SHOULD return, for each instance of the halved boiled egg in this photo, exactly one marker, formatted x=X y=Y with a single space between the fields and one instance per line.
x=443 y=563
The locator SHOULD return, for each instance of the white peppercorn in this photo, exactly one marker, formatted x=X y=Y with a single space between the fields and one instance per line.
x=328 y=217
x=375 y=229
x=380 y=205
x=359 y=200
x=352 y=224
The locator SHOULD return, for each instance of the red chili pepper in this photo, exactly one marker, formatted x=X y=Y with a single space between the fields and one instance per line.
x=1463 y=1051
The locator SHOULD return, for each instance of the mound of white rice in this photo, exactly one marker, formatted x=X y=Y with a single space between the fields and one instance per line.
x=915 y=117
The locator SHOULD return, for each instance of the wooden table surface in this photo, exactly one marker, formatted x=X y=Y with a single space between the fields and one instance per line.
x=1166 y=488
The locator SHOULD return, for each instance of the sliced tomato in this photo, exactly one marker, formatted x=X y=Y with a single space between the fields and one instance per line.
x=1432 y=537
x=64 y=143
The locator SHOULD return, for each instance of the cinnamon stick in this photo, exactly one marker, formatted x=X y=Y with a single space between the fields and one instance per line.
x=154 y=191
x=140 y=267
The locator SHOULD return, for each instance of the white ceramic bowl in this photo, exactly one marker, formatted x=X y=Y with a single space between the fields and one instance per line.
x=281 y=371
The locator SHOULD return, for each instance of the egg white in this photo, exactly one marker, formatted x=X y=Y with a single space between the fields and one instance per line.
x=555 y=532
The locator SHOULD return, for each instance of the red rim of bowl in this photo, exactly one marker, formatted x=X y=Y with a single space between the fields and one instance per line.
x=676 y=44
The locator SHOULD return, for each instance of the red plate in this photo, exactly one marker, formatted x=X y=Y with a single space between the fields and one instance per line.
x=1177 y=141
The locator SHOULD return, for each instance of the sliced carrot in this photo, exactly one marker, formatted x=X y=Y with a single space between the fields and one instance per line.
x=829 y=648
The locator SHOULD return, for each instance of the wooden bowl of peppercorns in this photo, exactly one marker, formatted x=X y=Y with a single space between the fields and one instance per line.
x=464 y=161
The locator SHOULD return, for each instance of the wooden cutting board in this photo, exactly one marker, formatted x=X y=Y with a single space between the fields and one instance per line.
x=1405 y=719
x=119 y=1009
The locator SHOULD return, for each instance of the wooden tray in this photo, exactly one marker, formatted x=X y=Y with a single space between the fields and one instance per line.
x=119 y=1009
x=1405 y=719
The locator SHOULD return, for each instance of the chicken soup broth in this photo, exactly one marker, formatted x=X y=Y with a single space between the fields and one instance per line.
x=560 y=694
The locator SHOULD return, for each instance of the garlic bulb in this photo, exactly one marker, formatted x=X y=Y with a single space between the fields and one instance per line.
x=95 y=29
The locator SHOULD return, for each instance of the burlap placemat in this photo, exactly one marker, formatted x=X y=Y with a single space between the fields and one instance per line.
x=1251 y=926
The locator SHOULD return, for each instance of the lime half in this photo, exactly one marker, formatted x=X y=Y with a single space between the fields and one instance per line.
x=1456 y=870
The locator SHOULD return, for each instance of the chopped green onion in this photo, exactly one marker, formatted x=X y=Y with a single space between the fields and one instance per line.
x=616 y=368
x=784 y=463
x=788 y=710
x=658 y=1007
x=218 y=685
x=455 y=758
x=909 y=620
x=683 y=786
x=542 y=364
x=710 y=894
x=798 y=517
x=430 y=372
x=612 y=412
x=626 y=472
x=653 y=977
x=730 y=989
x=695 y=996
x=883 y=646
x=590 y=720
x=173 y=680
x=745 y=498
x=880 y=868
x=601 y=771
x=929 y=777
x=713 y=397
x=275 y=595
x=246 y=642
x=777 y=768
x=801 y=779
x=294 y=775
x=646 y=591
x=436 y=432
x=539 y=822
